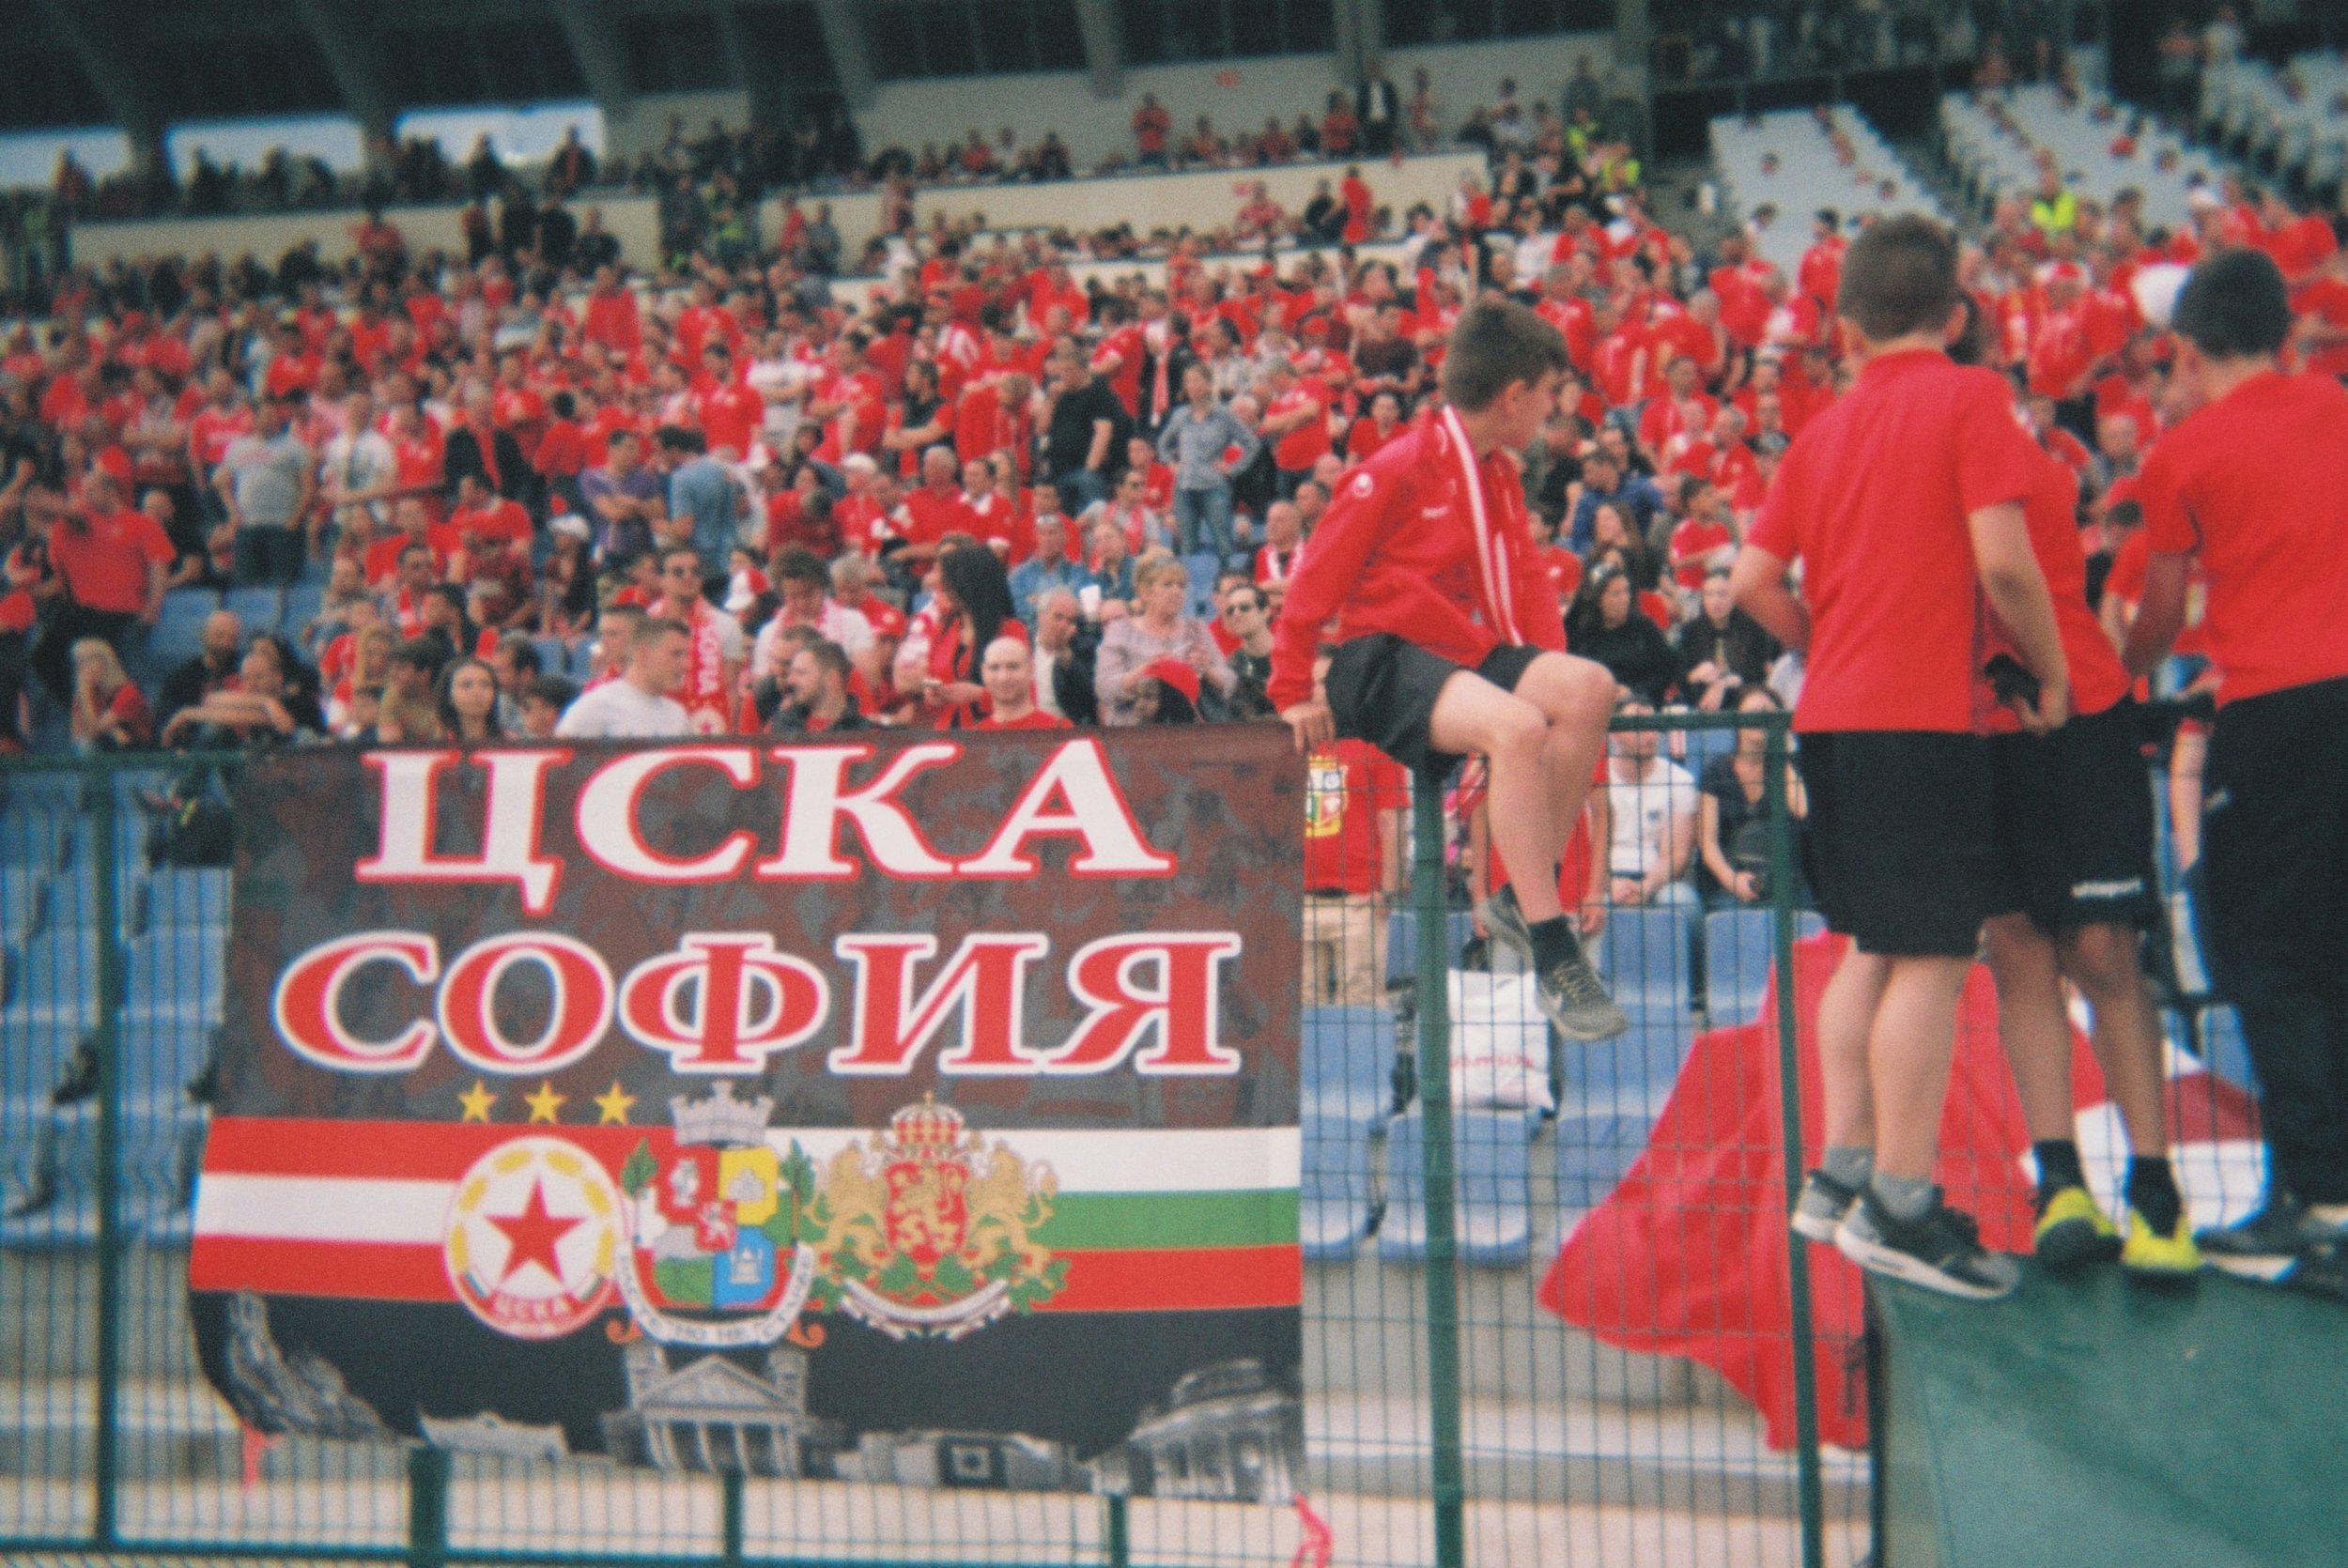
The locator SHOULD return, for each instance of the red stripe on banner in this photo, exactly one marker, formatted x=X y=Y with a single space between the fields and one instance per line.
x=1207 y=1279
x=390 y=1150
x=1213 y=1279
x=356 y=1270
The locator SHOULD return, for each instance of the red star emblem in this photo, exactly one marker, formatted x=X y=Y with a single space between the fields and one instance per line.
x=530 y=1236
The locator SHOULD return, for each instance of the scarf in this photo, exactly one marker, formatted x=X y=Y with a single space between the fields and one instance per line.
x=1494 y=550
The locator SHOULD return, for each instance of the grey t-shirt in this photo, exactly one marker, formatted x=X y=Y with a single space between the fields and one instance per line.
x=265 y=475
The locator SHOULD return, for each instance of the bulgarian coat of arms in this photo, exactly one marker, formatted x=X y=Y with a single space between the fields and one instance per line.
x=929 y=1232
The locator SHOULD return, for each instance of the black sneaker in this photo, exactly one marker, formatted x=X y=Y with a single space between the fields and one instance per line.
x=2321 y=1268
x=1940 y=1249
x=1505 y=919
x=1819 y=1210
x=2262 y=1246
x=1576 y=1000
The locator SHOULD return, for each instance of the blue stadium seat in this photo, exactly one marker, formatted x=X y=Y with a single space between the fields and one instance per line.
x=582 y=660
x=187 y=898
x=21 y=888
x=178 y=972
x=553 y=657
x=32 y=836
x=1740 y=944
x=1334 y=1210
x=1402 y=941
x=1615 y=1090
x=303 y=601
x=257 y=609
x=55 y=977
x=1705 y=744
x=1347 y=1060
x=1492 y=1160
x=2223 y=1050
x=57 y=1206
x=1647 y=959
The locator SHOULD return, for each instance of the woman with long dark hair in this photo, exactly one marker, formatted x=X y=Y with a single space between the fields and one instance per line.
x=1606 y=625
x=467 y=700
x=974 y=609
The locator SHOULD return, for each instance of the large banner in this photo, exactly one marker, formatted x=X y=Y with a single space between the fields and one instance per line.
x=921 y=1110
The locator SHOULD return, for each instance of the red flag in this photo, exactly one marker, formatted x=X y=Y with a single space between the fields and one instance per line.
x=1688 y=1255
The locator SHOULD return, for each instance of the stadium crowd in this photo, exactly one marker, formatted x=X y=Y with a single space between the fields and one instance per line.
x=990 y=495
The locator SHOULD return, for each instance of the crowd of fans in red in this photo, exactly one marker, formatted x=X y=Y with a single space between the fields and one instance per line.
x=992 y=493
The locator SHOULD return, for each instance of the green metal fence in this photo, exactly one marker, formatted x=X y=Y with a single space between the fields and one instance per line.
x=1452 y=1418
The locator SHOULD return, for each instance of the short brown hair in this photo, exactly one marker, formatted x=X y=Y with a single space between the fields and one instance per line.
x=1496 y=344
x=1899 y=277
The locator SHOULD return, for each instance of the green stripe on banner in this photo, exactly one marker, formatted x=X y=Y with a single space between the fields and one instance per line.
x=1103 y=1221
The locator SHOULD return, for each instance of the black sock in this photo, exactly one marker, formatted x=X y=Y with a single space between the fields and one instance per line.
x=2153 y=1191
x=1552 y=939
x=2058 y=1164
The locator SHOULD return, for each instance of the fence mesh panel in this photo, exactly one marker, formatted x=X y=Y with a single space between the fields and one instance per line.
x=1544 y=1370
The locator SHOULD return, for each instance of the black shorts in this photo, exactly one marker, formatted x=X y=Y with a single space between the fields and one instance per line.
x=1383 y=689
x=1900 y=850
x=2075 y=823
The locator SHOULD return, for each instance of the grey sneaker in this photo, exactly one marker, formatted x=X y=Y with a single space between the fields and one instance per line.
x=1505 y=919
x=1940 y=1249
x=1576 y=1000
x=1820 y=1208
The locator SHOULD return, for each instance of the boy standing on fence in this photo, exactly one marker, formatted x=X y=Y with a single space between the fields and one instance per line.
x=2254 y=483
x=1450 y=639
x=1902 y=502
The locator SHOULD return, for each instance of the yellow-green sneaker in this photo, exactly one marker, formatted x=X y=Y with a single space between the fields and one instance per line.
x=2146 y=1251
x=2073 y=1230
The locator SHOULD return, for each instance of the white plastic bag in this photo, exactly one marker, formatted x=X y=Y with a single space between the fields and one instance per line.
x=1499 y=1043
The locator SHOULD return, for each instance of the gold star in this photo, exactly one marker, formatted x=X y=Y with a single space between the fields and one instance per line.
x=544 y=1104
x=614 y=1105
x=477 y=1101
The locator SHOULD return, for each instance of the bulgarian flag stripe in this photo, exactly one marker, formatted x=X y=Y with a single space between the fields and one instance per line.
x=1146 y=1222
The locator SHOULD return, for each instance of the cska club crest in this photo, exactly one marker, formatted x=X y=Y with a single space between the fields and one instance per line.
x=929 y=1232
x=717 y=1258
x=532 y=1237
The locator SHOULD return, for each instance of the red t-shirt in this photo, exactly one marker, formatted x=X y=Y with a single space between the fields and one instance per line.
x=503 y=519
x=1305 y=445
x=1347 y=787
x=2097 y=678
x=104 y=565
x=2257 y=486
x=382 y=562
x=1037 y=719
x=1692 y=544
x=731 y=415
x=1872 y=498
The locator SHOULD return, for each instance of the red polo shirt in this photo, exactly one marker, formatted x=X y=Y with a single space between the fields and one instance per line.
x=2256 y=484
x=104 y=565
x=1873 y=498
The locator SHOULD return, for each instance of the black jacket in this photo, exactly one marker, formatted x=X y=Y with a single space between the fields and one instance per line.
x=1072 y=681
x=516 y=479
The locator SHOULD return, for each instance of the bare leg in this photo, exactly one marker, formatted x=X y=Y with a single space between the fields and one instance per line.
x=1909 y=1051
x=2032 y=1026
x=1542 y=745
x=2101 y=961
x=1846 y=1014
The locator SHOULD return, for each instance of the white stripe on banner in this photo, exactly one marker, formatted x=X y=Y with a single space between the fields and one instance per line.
x=322 y=1208
x=408 y=1212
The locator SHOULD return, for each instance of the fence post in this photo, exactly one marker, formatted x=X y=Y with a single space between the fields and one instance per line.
x=1811 y=1491
x=729 y=1516
x=1428 y=889
x=97 y=791
x=1117 y=1550
x=428 y=1507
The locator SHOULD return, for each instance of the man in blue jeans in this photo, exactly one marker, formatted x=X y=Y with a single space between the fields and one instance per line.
x=1205 y=444
x=267 y=480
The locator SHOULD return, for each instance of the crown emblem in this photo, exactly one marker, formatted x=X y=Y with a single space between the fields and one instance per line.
x=721 y=1121
x=928 y=1131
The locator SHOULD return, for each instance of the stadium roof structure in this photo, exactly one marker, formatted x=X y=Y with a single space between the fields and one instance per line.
x=144 y=67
